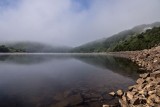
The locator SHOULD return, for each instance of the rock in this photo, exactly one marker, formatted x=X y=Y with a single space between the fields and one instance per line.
x=112 y=93
x=130 y=88
x=120 y=93
x=158 y=92
x=135 y=101
x=124 y=98
x=153 y=83
x=145 y=75
x=130 y=95
x=106 y=105
x=157 y=99
x=151 y=92
x=123 y=102
x=139 y=87
x=158 y=79
x=155 y=60
x=134 y=90
x=150 y=102
x=142 y=69
x=139 y=101
x=156 y=74
x=140 y=81
x=149 y=79
x=141 y=92
x=148 y=87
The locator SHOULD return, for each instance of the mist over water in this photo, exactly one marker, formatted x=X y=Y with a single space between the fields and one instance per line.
x=44 y=80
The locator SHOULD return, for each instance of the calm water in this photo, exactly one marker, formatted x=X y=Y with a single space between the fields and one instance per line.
x=62 y=80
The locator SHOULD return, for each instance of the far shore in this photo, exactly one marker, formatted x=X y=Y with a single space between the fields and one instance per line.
x=101 y=53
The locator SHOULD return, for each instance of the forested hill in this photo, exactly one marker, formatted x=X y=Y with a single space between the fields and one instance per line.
x=144 y=40
x=6 y=49
x=35 y=47
x=109 y=44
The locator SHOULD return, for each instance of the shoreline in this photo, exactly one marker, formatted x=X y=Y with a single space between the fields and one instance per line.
x=146 y=91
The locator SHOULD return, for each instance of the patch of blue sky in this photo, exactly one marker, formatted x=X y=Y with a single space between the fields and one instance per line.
x=80 y=5
x=5 y=4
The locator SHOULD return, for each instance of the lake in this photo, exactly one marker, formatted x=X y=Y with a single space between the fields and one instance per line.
x=59 y=80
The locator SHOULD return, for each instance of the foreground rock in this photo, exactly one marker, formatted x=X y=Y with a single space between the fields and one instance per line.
x=146 y=91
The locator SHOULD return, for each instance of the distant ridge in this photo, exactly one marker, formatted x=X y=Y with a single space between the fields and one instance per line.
x=35 y=47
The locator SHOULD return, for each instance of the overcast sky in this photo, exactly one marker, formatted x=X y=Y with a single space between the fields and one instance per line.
x=72 y=22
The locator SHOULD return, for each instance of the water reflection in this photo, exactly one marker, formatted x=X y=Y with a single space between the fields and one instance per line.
x=62 y=80
x=118 y=65
x=31 y=59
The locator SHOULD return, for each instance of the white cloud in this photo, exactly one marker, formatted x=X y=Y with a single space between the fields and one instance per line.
x=65 y=22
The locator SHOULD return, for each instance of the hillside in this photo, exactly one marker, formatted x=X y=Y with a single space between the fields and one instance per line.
x=37 y=47
x=107 y=44
x=144 y=40
x=6 y=49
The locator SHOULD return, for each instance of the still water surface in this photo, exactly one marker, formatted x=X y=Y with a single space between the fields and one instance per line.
x=62 y=80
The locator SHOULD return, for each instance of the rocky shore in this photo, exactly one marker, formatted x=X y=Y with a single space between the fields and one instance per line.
x=146 y=91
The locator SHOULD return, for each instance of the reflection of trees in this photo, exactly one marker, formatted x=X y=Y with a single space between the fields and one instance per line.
x=115 y=64
x=30 y=59
x=118 y=65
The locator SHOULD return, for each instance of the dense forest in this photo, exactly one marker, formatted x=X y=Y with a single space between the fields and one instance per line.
x=6 y=49
x=141 y=41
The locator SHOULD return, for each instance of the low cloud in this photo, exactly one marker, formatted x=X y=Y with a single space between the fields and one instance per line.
x=72 y=22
